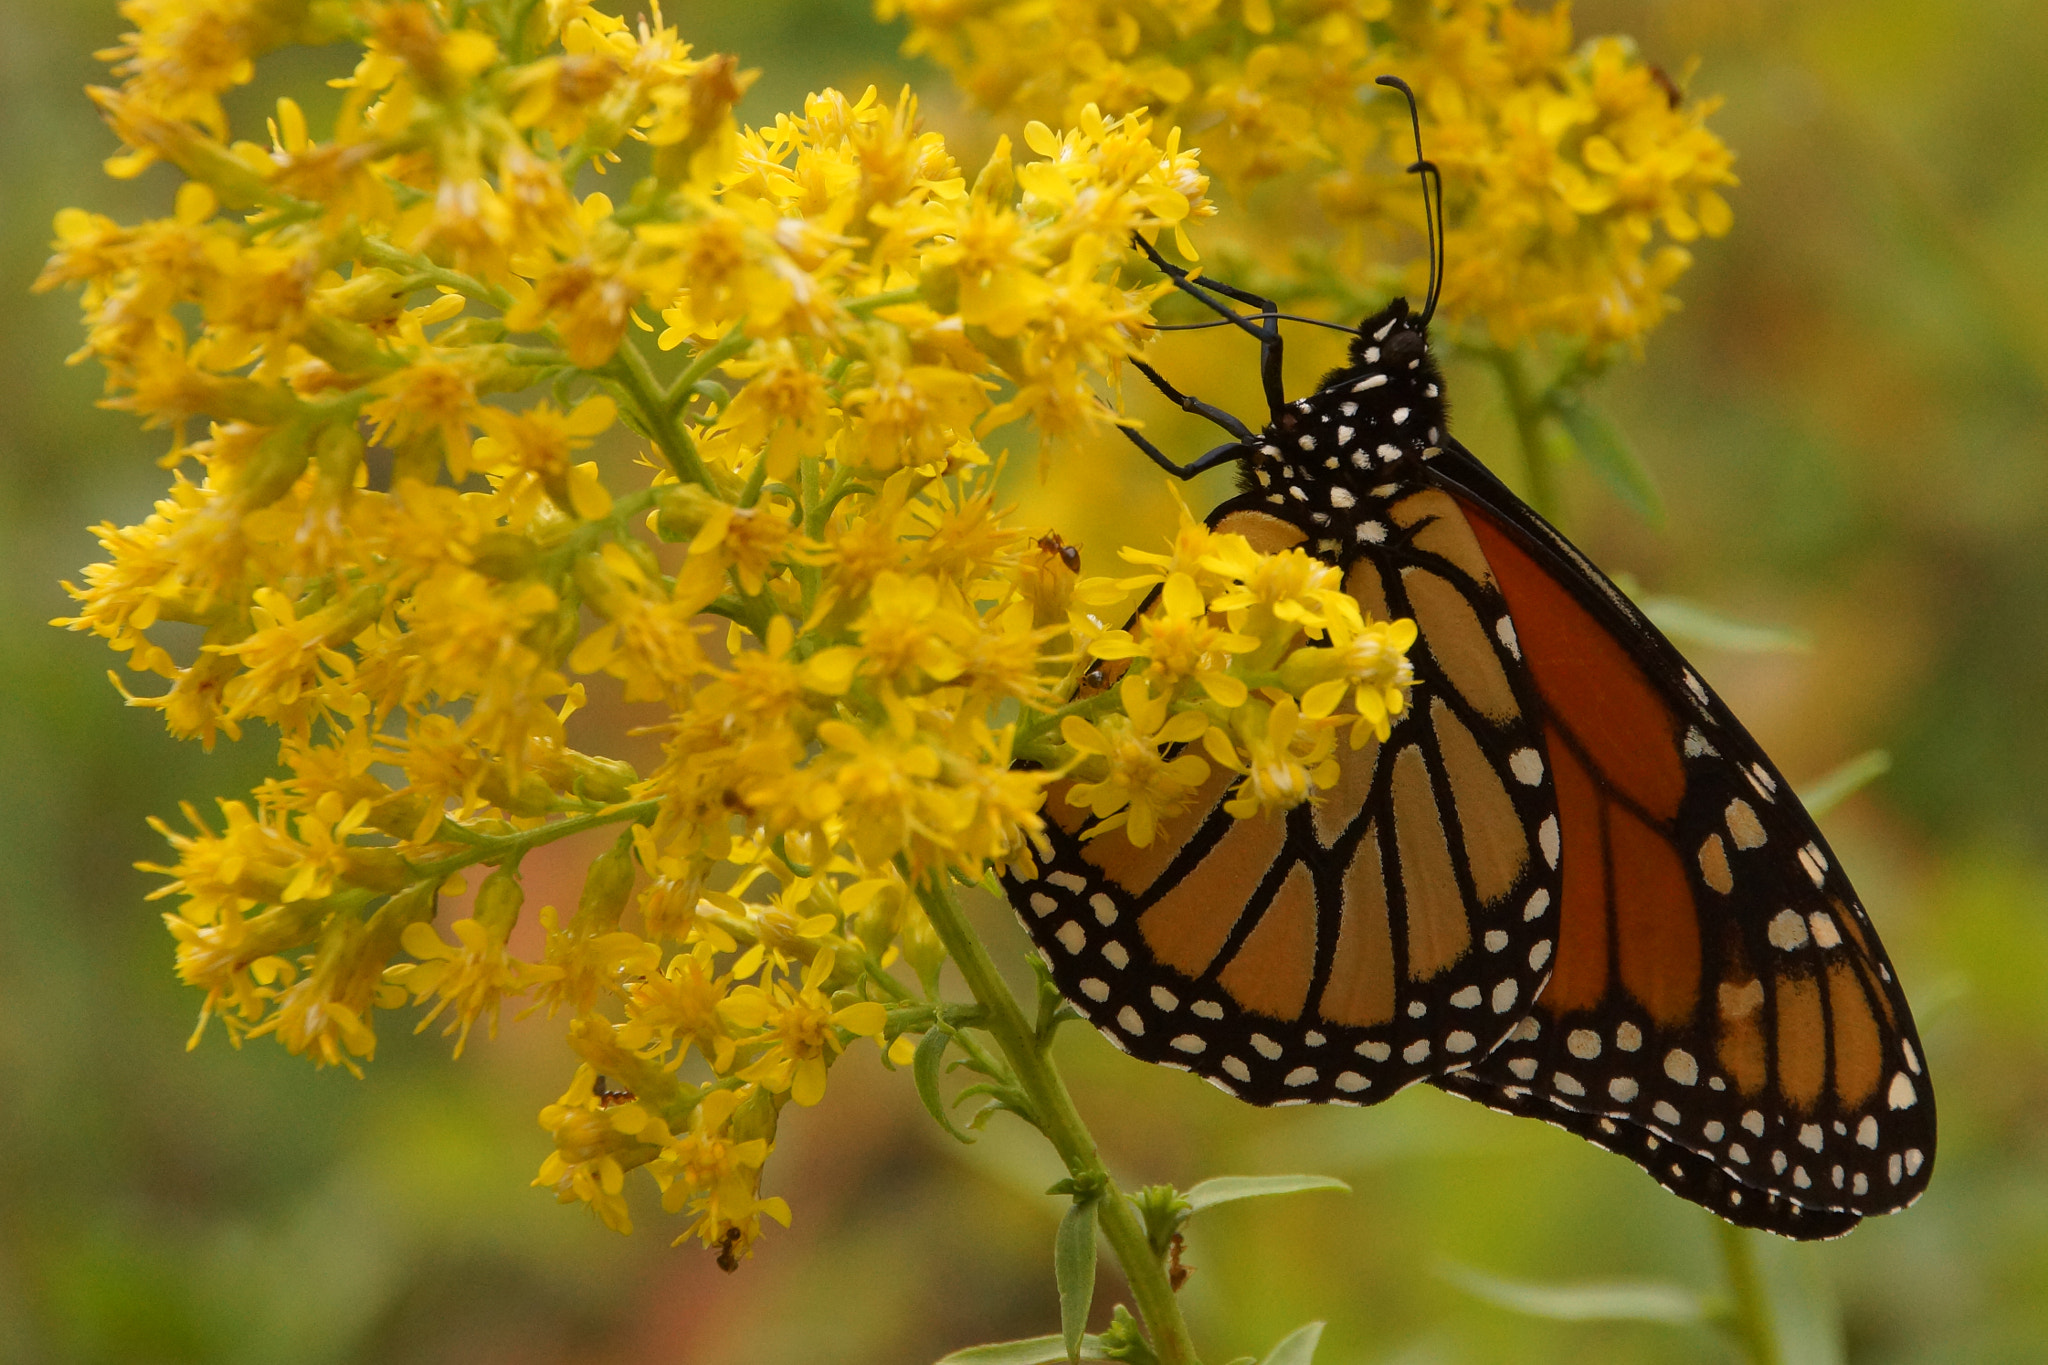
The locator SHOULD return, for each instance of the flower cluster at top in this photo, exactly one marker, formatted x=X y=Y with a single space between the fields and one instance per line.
x=404 y=531
x=1573 y=175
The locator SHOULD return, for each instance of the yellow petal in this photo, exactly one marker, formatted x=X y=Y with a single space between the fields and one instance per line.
x=866 y=1019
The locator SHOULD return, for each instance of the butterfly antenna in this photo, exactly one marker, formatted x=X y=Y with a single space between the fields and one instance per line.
x=1432 y=209
x=1225 y=322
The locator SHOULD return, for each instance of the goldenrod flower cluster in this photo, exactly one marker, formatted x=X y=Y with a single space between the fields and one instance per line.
x=1250 y=656
x=449 y=438
x=1574 y=175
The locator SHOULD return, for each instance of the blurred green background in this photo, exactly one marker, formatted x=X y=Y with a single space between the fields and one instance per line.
x=1848 y=423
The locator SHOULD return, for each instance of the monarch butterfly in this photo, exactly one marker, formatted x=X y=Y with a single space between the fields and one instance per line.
x=1568 y=886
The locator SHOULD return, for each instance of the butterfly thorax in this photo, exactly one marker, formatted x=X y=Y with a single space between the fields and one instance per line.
x=1330 y=462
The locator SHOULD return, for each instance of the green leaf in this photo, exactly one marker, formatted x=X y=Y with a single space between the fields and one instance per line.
x=1225 y=1188
x=1845 y=781
x=1073 y=1268
x=1689 y=623
x=1297 y=1347
x=1031 y=1351
x=1608 y=454
x=1614 y=1301
x=925 y=1065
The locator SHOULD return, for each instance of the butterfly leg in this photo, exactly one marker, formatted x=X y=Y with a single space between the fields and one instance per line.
x=1266 y=329
x=1222 y=454
x=1194 y=405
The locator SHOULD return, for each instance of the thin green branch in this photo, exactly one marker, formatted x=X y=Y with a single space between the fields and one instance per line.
x=862 y=306
x=1053 y=1110
x=497 y=848
x=703 y=363
x=1526 y=406
x=1749 y=1317
x=377 y=251
x=630 y=372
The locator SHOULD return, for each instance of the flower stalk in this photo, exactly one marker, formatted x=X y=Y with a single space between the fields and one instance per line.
x=1053 y=1113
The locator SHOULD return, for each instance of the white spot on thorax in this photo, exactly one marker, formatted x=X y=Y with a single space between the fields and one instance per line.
x=1342 y=497
x=1369 y=382
x=1400 y=416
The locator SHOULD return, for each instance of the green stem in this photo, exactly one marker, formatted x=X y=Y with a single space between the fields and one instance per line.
x=629 y=370
x=494 y=849
x=1527 y=409
x=1031 y=1064
x=379 y=252
x=888 y=300
x=705 y=361
x=1749 y=1317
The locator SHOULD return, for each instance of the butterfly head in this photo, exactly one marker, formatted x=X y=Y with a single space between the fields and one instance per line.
x=1390 y=387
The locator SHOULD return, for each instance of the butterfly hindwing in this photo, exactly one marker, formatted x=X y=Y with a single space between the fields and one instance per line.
x=1718 y=987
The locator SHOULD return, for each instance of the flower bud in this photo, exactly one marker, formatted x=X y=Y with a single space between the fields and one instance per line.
x=606 y=887
x=498 y=901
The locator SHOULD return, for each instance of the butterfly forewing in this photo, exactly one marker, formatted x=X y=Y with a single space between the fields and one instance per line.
x=1718 y=988
x=1397 y=927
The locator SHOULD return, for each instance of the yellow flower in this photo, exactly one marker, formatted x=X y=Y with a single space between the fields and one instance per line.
x=1138 y=785
x=804 y=1027
x=540 y=443
x=713 y=1171
x=595 y=1144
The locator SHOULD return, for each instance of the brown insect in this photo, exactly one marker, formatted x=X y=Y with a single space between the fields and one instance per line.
x=1069 y=555
x=1176 y=1273
x=729 y=1251
x=607 y=1097
x=1669 y=86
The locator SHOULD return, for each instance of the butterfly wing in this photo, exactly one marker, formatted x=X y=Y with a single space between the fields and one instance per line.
x=1721 y=1011
x=1394 y=930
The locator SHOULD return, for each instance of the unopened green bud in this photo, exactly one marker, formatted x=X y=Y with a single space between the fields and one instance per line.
x=608 y=780
x=498 y=901
x=607 y=885
x=273 y=467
